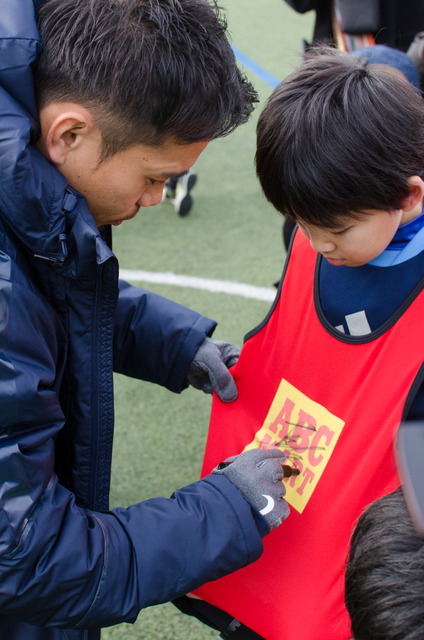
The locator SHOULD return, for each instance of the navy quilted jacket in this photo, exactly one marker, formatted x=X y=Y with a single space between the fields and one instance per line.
x=68 y=565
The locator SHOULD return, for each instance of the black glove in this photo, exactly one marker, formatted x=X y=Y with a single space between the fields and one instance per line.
x=258 y=474
x=209 y=369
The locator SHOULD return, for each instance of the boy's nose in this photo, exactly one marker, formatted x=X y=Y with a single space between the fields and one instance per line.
x=320 y=245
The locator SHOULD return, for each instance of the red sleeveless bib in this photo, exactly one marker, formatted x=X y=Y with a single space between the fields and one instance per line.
x=333 y=402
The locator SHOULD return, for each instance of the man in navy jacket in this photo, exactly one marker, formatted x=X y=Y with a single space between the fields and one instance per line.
x=101 y=101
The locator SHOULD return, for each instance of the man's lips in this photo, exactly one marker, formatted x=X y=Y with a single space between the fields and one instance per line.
x=116 y=223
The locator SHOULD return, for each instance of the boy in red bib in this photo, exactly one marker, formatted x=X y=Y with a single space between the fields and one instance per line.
x=338 y=362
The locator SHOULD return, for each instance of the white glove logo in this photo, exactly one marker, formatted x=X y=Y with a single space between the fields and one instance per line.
x=269 y=506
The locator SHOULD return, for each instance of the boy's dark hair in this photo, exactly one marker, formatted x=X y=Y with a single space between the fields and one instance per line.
x=338 y=136
x=385 y=574
x=148 y=69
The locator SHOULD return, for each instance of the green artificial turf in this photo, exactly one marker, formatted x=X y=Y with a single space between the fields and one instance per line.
x=232 y=233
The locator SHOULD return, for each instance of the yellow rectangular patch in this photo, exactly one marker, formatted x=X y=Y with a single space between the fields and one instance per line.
x=306 y=432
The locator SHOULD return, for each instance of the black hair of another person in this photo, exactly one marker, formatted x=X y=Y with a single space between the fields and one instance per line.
x=384 y=581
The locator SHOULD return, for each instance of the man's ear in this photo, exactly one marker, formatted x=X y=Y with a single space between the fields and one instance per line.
x=64 y=128
x=416 y=194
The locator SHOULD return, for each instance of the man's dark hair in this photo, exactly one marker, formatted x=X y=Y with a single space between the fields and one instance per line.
x=148 y=69
x=385 y=574
x=339 y=136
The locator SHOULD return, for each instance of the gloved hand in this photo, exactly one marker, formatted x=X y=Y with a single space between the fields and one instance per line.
x=258 y=474
x=209 y=369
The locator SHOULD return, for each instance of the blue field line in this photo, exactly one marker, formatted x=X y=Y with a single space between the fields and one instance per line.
x=253 y=66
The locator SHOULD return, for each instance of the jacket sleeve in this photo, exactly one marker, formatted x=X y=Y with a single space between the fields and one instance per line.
x=64 y=566
x=156 y=339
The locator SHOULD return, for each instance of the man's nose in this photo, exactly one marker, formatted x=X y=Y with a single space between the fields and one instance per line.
x=151 y=196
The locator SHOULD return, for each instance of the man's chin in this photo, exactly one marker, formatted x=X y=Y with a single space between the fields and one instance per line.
x=131 y=216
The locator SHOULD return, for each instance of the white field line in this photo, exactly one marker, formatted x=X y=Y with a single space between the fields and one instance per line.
x=216 y=286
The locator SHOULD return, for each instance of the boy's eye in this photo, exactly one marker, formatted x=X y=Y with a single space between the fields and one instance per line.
x=340 y=232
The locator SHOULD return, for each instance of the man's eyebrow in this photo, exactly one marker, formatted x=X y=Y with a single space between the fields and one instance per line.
x=175 y=176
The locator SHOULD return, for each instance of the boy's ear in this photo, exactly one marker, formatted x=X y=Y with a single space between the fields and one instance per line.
x=63 y=129
x=416 y=193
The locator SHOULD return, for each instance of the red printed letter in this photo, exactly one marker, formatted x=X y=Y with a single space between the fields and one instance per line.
x=280 y=425
x=325 y=434
x=309 y=476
